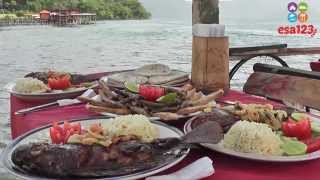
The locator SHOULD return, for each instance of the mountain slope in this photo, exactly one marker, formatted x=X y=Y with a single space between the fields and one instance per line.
x=168 y=9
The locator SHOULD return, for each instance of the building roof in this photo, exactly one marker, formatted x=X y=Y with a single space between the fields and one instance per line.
x=44 y=12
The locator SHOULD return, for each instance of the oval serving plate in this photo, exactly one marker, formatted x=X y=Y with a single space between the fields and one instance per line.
x=42 y=134
x=39 y=97
x=252 y=156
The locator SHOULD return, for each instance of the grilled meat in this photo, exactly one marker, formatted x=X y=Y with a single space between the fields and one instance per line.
x=44 y=76
x=74 y=160
x=222 y=117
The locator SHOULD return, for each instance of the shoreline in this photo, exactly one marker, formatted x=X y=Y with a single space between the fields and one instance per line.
x=33 y=22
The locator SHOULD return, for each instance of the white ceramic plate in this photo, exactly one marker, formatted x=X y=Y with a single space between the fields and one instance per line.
x=39 y=97
x=42 y=134
x=252 y=156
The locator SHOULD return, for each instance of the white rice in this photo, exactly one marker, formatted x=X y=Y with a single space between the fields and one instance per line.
x=252 y=137
x=137 y=125
x=30 y=85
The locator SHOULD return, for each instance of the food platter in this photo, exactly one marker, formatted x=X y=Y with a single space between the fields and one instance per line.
x=50 y=86
x=52 y=96
x=42 y=135
x=252 y=156
x=158 y=102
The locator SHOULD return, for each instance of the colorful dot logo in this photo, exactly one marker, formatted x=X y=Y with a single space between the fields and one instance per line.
x=292 y=7
x=303 y=17
x=300 y=16
x=292 y=17
x=303 y=7
x=299 y=20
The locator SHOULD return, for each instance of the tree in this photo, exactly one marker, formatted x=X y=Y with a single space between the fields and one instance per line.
x=105 y=9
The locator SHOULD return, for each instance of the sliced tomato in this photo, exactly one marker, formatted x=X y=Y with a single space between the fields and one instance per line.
x=58 y=128
x=65 y=81
x=313 y=144
x=61 y=134
x=305 y=130
x=56 y=136
x=67 y=135
x=59 y=83
x=66 y=125
x=53 y=83
x=300 y=130
x=291 y=120
x=151 y=93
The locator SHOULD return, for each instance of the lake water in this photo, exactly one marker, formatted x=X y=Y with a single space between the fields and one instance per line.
x=118 y=45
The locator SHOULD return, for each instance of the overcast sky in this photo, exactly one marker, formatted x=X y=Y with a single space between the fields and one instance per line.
x=239 y=10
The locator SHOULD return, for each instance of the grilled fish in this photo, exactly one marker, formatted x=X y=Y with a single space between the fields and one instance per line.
x=75 y=160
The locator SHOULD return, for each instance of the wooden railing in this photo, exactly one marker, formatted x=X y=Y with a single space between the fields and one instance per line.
x=278 y=50
x=275 y=52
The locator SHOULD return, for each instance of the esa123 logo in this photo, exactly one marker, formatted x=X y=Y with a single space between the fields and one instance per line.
x=298 y=15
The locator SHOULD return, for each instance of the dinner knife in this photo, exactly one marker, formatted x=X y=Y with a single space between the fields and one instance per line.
x=63 y=102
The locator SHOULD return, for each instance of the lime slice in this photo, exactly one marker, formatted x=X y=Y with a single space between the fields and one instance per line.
x=293 y=147
x=168 y=98
x=133 y=87
x=299 y=116
x=315 y=127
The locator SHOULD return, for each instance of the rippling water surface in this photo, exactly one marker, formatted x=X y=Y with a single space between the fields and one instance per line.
x=118 y=45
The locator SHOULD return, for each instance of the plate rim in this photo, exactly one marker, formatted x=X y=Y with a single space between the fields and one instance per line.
x=4 y=159
x=154 y=118
x=253 y=156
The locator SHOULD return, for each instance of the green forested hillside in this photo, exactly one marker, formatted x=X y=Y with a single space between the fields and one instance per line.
x=105 y=9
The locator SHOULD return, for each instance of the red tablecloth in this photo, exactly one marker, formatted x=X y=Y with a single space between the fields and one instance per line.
x=227 y=167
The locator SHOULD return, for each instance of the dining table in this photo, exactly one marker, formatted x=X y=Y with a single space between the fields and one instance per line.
x=226 y=167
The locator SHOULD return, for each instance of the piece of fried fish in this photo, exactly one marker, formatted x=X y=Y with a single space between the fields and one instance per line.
x=75 y=160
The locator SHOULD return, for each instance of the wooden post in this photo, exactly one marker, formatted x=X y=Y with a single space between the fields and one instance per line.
x=205 y=12
x=210 y=63
x=210 y=51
